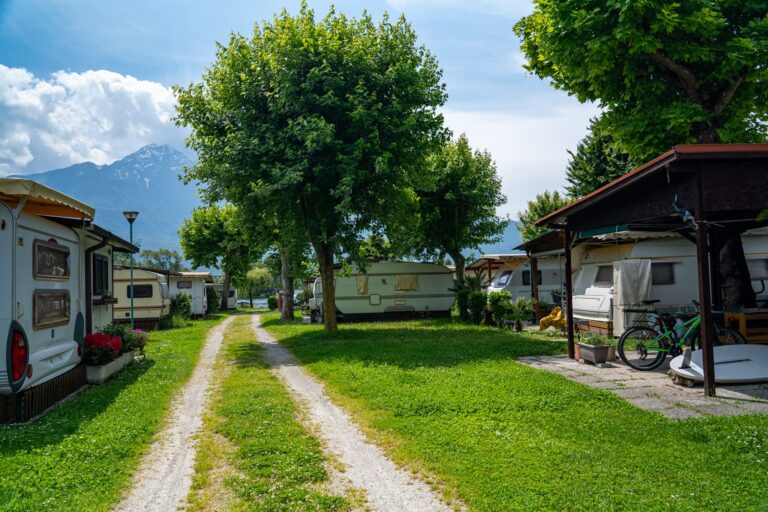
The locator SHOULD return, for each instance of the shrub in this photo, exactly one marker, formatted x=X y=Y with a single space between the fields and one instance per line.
x=101 y=348
x=181 y=306
x=462 y=301
x=499 y=303
x=119 y=331
x=477 y=302
x=213 y=298
x=520 y=309
x=139 y=340
x=272 y=302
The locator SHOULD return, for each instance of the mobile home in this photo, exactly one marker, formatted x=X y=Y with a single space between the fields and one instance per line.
x=192 y=284
x=53 y=294
x=626 y=271
x=389 y=290
x=151 y=299
x=516 y=278
x=231 y=300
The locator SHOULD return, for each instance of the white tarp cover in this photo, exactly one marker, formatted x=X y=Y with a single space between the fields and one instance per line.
x=42 y=200
x=584 y=279
x=631 y=286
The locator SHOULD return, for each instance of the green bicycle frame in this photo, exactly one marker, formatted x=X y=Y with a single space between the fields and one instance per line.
x=691 y=325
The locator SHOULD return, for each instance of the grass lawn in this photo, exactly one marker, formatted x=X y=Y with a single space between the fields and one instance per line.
x=450 y=400
x=80 y=455
x=253 y=453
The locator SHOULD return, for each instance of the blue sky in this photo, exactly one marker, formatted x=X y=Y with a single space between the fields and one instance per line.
x=88 y=80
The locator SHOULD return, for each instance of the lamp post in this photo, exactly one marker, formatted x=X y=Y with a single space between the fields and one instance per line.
x=131 y=217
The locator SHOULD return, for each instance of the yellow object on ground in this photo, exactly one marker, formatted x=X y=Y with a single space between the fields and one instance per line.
x=555 y=319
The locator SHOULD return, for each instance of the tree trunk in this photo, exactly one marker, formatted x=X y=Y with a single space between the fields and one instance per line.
x=286 y=276
x=458 y=262
x=737 y=286
x=324 y=252
x=225 y=291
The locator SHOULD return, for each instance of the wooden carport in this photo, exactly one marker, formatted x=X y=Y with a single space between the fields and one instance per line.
x=708 y=193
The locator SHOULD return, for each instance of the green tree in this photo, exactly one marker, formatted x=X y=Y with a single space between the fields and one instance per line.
x=458 y=210
x=666 y=73
x=213 y=237
x=375 y=247
x=596 y=162
x=323 y=122
x=163 y=259
x=544 y=204
x=257 y=279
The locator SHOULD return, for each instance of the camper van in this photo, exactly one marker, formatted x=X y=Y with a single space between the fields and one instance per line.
x=192 y=284
x=615 y=273
x=518 y=280
x=389 y=290
x=55 y=291
x=151 y=299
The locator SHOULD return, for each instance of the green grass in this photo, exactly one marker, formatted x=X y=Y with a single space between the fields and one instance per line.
x=450 y=400
x=80 y=455
x=254 y=454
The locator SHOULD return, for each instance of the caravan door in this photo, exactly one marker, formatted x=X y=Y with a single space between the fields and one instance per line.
x=6 y=290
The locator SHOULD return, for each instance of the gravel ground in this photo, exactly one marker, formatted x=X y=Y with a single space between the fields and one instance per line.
x=386 y=486
x=164 y=477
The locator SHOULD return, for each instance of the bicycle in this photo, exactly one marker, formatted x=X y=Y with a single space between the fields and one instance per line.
x=645 y=347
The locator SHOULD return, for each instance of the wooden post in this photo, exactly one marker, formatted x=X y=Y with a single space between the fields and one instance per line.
x=535 y=286
x=569 y=295
x=490 y=275
x=705 y=297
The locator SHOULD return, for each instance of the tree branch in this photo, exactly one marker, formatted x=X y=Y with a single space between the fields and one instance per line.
x=728 y=93
x=687 y=78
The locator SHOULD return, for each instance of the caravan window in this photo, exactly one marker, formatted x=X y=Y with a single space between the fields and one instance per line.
x=406 y=282
x=503 y=279
x=50 y=308
x=758 y=269
x=604 y=277
x=662 y=273
x=527 y=277
x=100 y=275
x=143 y=291
x=184 y=285
x=51 y=260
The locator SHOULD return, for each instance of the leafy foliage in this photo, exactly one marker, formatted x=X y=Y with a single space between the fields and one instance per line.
x=499 y=303
x=520 y=309
x=544 y=204
x=477 y=302
x=162 y=259
x=258 y=279
x=326 y=123
x=458 y=207
x=666 y=73
x=272 y=302
x=596 y=162
x=181 y=305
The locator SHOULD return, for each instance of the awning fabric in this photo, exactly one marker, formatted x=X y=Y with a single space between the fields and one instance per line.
x=42 y=200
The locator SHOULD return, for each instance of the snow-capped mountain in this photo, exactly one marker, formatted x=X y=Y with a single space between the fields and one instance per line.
x=146 y=181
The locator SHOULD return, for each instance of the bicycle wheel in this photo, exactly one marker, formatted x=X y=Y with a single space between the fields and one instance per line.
x=643 y=348
x=728 y=336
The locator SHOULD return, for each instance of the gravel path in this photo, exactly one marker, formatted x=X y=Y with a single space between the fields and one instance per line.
x=387 y=487
x=164 y=477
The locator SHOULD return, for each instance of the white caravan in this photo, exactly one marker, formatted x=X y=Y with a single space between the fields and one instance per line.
x=390 y=290
x=617 y=273
x=518 y=279
x=193 y=285
x=151 y=299
x=232 y=299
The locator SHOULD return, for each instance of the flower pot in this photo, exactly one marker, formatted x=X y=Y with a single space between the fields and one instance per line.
x=99 y=374
x=129 y=357
x=611 y=353
x=595 y=354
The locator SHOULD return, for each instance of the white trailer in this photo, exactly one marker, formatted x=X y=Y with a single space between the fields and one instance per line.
x=193 y=285
x=518 y=281
x=151 y=299
x=389 y=290
x=615 y=273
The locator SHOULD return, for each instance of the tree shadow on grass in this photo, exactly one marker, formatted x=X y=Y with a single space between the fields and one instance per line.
x=420 y=343
x=65 y=419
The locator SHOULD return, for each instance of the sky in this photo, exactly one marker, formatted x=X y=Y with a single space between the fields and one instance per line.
x=90 y=80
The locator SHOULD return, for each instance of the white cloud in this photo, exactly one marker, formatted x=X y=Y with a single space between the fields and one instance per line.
x=529 y=150
x=96 y=116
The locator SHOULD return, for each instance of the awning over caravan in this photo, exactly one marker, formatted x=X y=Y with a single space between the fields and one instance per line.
x=41 y=200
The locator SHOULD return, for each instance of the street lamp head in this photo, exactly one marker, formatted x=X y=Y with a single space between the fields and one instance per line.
x=131 y=216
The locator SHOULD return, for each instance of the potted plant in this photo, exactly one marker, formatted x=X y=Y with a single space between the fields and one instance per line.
x=102 y=357
x=519 y=309
x=594 y=349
